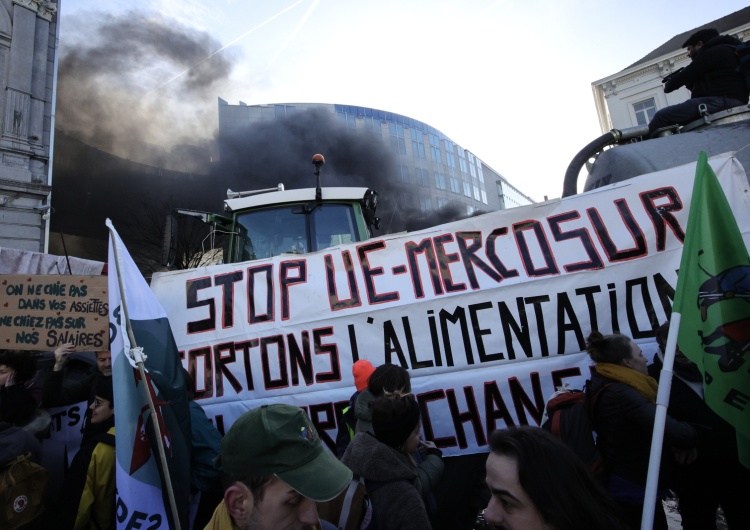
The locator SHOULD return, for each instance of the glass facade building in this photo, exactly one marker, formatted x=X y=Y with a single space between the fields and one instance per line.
x=434 y=172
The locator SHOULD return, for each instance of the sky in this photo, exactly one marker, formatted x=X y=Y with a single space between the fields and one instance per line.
x=508 y=80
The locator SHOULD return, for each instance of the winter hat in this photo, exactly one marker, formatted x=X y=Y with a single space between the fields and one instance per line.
x=362 y=370
x=394 y=419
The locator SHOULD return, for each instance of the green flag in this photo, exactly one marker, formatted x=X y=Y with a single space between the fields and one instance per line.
x=713 y=297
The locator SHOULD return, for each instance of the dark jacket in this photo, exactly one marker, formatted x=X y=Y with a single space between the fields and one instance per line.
x=15 y=441
x=389 y=478
x=430 y=467
x=57 y=394
x=205 y=446
x=713 y=72
x=87 y=499
x=624 y=422
x=17 y=404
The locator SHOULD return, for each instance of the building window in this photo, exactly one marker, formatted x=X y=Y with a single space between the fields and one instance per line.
x=440 y=181
x=467 y=189
x=450 y=157
x=441 y=203
x=644 y=111
x=477 y=196
x=423 y=177
x=462 y=161
x=397 y=138
x=417 y=143
x=435 y=149
x=425 y=204
x=455 y=185
x=405 y=174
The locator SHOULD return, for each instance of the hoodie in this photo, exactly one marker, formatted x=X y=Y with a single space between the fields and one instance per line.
x=389 y=479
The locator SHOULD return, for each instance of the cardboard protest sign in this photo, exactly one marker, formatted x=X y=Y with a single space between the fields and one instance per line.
x=42 y=312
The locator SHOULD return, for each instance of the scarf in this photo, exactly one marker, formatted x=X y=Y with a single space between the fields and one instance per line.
x=644 y=384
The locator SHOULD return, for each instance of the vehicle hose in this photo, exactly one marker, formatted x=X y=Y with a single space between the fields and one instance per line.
x=570 y=183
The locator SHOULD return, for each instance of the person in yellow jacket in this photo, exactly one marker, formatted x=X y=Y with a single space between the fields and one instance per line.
x=88 y=498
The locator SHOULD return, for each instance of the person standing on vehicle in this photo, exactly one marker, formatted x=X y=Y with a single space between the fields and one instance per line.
x=712 y=78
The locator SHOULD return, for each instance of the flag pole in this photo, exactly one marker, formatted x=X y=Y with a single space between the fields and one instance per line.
x=138 y=354
x=657 y=439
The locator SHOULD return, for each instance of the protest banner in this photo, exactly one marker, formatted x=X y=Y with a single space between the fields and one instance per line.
x=488 y=314
x=40 y=312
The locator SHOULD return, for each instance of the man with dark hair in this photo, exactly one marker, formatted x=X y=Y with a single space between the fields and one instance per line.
x=712 y=78
x=275 y=468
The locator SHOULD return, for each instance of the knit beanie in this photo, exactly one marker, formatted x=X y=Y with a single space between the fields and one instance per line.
x=394 y=429
x=362 y=370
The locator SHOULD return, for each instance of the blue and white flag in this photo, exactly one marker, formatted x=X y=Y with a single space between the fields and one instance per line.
x=142 y=492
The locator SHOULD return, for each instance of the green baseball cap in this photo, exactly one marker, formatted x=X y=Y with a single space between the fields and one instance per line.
x=281 y=440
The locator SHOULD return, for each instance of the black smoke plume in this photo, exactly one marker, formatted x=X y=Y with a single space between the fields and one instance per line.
x=132 y=146
x=121 y=86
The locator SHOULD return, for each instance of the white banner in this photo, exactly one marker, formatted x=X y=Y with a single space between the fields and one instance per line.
x=488 y=314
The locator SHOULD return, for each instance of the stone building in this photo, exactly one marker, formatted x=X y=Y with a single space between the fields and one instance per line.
x=28 y=43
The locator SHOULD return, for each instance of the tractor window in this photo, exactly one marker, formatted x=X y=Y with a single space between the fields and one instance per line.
x=333 y=224
x=293 y=229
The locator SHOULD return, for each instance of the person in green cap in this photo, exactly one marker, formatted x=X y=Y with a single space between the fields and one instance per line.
x=275 y=469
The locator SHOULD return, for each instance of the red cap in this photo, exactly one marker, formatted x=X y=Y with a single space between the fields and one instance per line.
x=362 y=370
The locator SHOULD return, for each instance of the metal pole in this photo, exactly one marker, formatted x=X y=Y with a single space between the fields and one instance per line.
x=53 y=110
x=657 y=439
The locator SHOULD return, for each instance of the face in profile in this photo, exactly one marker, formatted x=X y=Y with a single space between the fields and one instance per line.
x=6 y=372
x=412 y=442
x=101 y=410
x=637 y=361
x=104 y=362
x=510 y=508
x=280 y=508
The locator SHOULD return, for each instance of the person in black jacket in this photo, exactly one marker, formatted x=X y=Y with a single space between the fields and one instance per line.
x=624 y=422
x=712 y=78
x=18 y=401
x=58 y=394
x=716 y=477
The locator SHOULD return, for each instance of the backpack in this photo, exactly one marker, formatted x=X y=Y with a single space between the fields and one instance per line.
x=570 y=418
x=351 y=510
x=23 y=484
x=742 y=51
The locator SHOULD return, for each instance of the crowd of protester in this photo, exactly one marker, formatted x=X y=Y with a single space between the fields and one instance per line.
x=272 y=470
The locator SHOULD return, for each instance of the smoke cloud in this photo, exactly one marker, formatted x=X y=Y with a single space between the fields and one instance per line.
x=112 y=85
x=134 y=143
